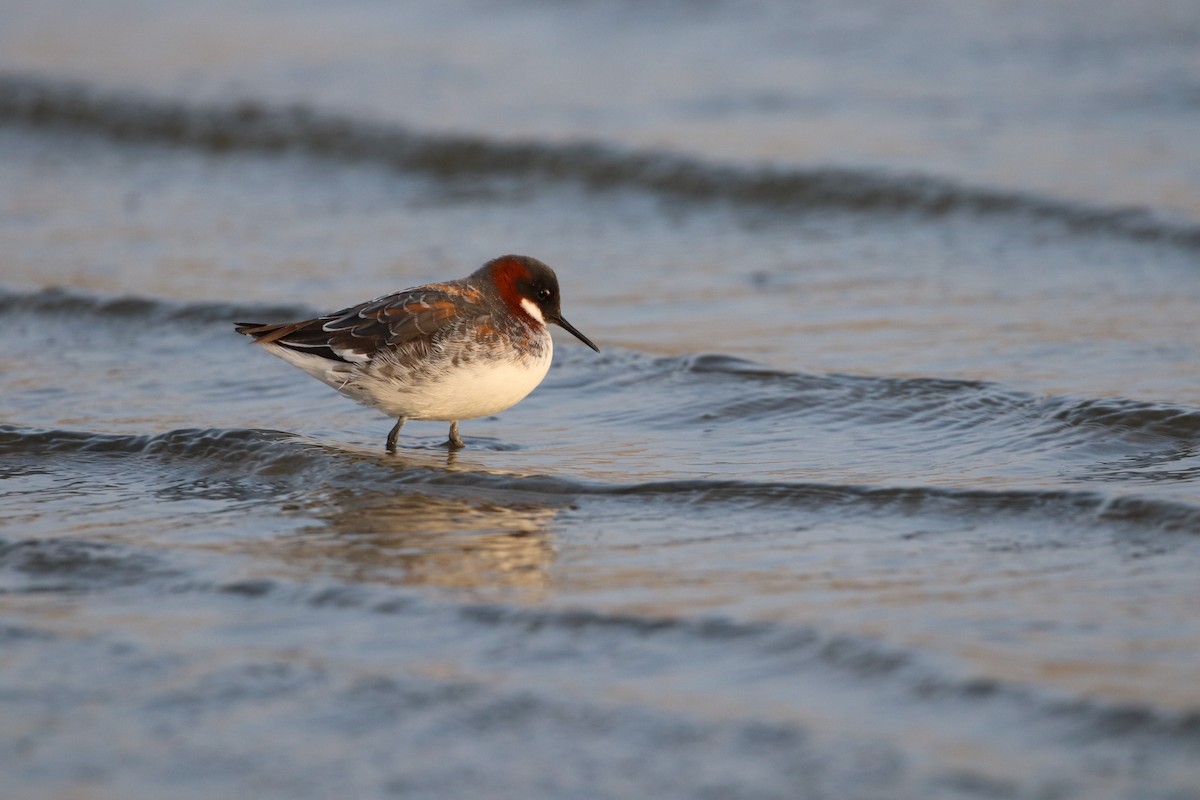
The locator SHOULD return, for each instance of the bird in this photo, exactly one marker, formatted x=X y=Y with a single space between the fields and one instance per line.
x=446 y=351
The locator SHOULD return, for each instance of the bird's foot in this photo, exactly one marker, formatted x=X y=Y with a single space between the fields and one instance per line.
x=390 y=446
x=455 y=442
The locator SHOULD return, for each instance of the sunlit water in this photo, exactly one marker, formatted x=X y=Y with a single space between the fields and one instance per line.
x=886 y=482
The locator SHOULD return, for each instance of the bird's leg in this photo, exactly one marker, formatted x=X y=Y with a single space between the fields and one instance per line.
x=393 y=433
x=456 y=442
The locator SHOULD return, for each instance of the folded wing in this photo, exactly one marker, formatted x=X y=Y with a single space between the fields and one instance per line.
x=355 y=334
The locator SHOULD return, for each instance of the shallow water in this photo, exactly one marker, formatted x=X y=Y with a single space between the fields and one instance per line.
x=886 y=482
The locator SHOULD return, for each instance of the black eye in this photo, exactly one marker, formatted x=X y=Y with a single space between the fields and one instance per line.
x=544 y=294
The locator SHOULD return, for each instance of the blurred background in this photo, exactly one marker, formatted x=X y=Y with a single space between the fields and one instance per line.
x=886 y=482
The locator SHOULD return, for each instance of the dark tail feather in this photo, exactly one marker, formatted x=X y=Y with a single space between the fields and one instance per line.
x=270 y=332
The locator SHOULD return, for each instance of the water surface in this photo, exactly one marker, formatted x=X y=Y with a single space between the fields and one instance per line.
x=885 y=483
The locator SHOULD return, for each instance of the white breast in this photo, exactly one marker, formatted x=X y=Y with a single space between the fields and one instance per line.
x=473 y=390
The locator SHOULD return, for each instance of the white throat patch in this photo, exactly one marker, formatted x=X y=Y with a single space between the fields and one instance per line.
x=532 y=310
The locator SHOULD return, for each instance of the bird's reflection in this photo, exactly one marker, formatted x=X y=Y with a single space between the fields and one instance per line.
x=419 y=538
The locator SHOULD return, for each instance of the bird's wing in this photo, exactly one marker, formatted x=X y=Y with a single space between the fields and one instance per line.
x=355 y=334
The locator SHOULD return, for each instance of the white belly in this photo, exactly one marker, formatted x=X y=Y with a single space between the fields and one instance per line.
x=474 y=389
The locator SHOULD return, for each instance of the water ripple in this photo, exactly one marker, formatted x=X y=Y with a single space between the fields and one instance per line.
x=249 y=125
